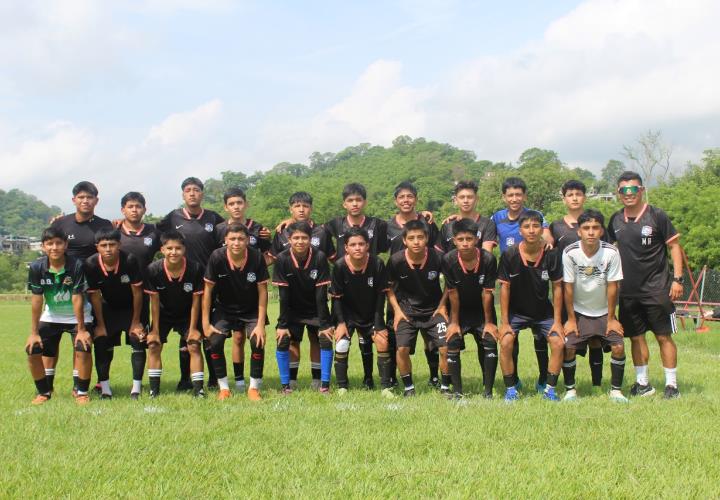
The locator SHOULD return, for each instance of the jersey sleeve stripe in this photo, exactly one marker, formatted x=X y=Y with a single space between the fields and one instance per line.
x=322 y=283
x=150 y=292
x=139 y=283
x=504 y=281
x=209 y=281
x=673 y=238
x=280 y=283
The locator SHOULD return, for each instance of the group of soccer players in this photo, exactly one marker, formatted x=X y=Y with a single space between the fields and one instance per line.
x=100 y=279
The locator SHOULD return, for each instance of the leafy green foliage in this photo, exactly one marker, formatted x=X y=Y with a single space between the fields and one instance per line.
x=22 y=214
x=13 y=271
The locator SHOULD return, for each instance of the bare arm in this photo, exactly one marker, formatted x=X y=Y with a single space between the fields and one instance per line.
x=676 y=289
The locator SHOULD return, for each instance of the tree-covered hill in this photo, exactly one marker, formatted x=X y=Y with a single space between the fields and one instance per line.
x=22 y=214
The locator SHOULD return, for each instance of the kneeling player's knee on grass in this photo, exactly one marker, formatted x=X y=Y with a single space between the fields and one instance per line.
x=283 y=343
x=216 y=343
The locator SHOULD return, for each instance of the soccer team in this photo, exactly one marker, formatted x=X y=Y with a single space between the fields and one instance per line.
x=99 y=279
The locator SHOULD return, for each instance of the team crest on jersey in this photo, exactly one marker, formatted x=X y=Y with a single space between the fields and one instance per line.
x=545 y=276
x=148 y=241
x=370 y=233
x=313 y=274
x=125 y=279
x=71 y=236
x=588 y=270
x=253 y=240
x=432 y=275
x=509 y=241
x=188 y=287
x=67 y=281
x=251 y=277
x=481 y=279
x=209 y=227
x=315 y=241
x=479 y=234
x=646 y=231
x=370 y=281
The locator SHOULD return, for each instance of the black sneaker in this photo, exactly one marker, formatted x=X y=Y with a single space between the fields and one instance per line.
x=97 y=389
x=394 y=382
x=134 y=396
x=445 y=391
x=641 y=390
x=105 y=396
x=671 y=392
x=487 y=395
x=153 y=394
x=199 y=394
x=369 y=384
x=434 y=382
x=458 y=396
x=184 y=385
x=409 y=393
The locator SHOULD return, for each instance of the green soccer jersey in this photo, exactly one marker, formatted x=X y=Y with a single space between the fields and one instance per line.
x=57 y=288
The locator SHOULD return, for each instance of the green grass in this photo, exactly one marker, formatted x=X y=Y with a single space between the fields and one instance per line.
x=358 y=445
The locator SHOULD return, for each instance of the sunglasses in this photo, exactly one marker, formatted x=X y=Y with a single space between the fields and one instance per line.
x=629 y=189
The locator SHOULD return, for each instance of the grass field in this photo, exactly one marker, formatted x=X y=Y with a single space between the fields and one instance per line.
x=358 y=445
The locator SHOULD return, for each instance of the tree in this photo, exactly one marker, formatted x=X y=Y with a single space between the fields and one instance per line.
x=609 y=175
x=650 y=156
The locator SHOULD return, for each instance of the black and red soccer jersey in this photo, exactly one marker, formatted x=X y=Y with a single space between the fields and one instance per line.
x=143 y=243
x=236 y=287
x=114 y=285
x=198 y=231
x=301 y=277
x=395 y=232
x=319 y=240
x=565 y=233
x=530 y=281
x=254 y=239
x=376 y=229
x=360 y=293
x=81 y=235
x=176 y=294
x=486 y=232
x=642 y=243
x=417 y=287
x=470 y=283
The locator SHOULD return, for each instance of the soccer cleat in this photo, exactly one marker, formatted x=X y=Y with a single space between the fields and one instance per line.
x=224 y=394
x=369 y=384
x=315 y=384
x=134 y=396
x=487 y=395
x=153 y=394
x=199 y=394
x=671 y=392
x=394 y=382
x=97 y=389
x=286 y=390
x=445 y=391
x=342 y=391
x=641 y=390
x=409 y=393
x=617 y=396
x=105 y=396
x=387 y=393
x=254 y=395
x=570 y=395
x=184 y=385
x=511 y=394
x=549 y=394
x=458 y=396
x=434 y=382
x=40 y=399
x=74 y=392
x=82 y=399
x=324 y=391
x=540 y=388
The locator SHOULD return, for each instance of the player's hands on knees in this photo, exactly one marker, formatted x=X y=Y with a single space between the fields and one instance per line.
x=259 y=333
x=614 y=325
x=33 y=340
x=83 y=336
x=453 y=329
x=676 y=291
x=210 y=330
x=341 y=331
x=281 y=332
x=399 y=316
x=506 y=329
x=381 y=334
x=571 y=327
x=153 y=337
x=100 y=330
x=327 y=333
x=442 y=311
x=492 y=330
x=194 y=335
x=558 y=328
x=137 y=330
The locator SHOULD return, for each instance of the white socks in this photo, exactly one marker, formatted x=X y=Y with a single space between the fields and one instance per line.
x=223 y=384
x=641 y=375
x=105 y=387
x=255 y=383
x=670 y=376
x=136 y=387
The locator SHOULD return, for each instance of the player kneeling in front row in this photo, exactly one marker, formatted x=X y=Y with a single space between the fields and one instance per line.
x=417 y=300
x=175 y=285
x=470 y=274
x=302 y=276
x=115 y=292
x=592 y=271
x=359 y=284
x=235 y=300
x=57 y=283
x=525 y=272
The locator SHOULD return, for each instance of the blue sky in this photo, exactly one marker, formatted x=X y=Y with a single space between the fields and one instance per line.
x=139 y=94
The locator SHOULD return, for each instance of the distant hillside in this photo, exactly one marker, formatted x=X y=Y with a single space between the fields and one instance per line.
x=22 y=214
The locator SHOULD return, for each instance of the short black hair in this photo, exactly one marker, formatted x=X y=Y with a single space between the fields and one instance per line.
x=464 y=226
x=357 y=231
x=532 y=215
x=171 y=235
x=629 y=175
x=415 y=225
x=300 y=226
x=107 y=234
x=300 y=197
x=236 y=227
x=405 y=186
x=132 y=196
x=192 y=181
x=51 y=233
x=514 y=182
x=590 y=215
x=234 y=193
x=573 y=184
x=465 y=185
x=354 y=188
x=85 y=187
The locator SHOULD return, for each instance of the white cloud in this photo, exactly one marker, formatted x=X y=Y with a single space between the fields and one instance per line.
x=192 y=125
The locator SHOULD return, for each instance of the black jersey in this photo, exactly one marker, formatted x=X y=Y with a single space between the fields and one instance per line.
x=395 y=231
x=301 y=280
x=81 y=235
x=643 y=250
x=530 y=281
x=143 y=243
x=565 y=234
x=376 y=229
x=236 y=287
x=319 y=240
x=470 y=283
x=254 y=239
x=417 y=288
x=361 y=293
x=198 y=231
x=486 y=232
x=115 y=286
x=57 y=288
x=176 y=294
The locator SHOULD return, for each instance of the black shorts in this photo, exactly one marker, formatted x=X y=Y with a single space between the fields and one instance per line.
x=433 y=330
x=641 y=314
x=51 y=333
x=365 y=333
x=228 y=323
x=118 y=321
x=589 y=328
x=182 y=327
x=298 y=329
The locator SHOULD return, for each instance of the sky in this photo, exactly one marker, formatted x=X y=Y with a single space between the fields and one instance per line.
x=139 y=94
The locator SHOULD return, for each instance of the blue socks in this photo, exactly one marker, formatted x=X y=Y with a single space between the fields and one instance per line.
x=326 y=359
x=283 y=361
